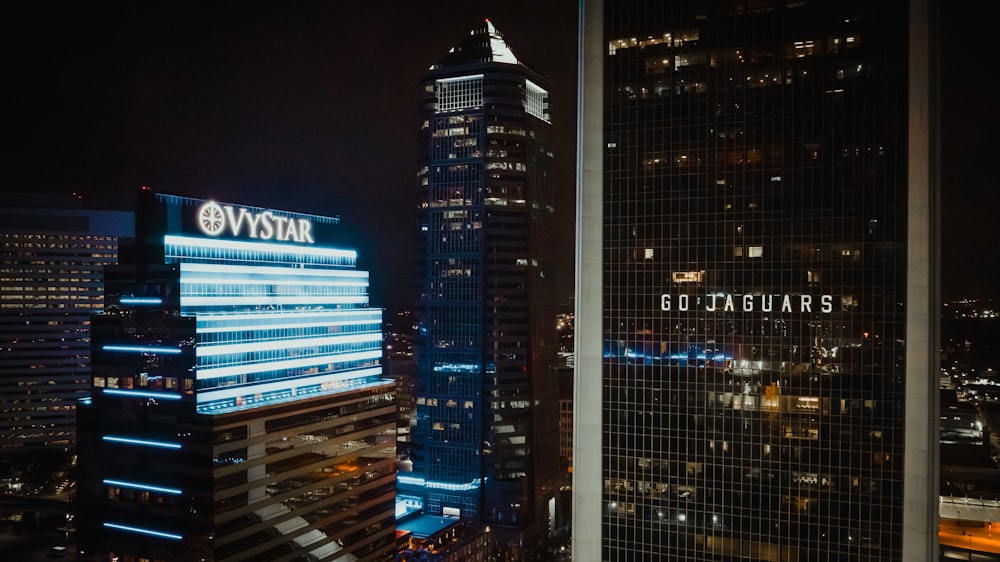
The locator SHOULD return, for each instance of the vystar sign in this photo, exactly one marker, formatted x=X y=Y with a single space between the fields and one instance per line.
x=747 y=303
x=215 y=219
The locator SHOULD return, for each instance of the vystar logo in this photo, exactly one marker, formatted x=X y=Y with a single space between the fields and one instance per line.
x=215 y=219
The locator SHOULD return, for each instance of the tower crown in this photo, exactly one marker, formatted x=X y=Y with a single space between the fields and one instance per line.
x=484 y=44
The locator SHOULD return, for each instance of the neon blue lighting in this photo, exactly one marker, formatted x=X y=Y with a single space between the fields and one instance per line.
x=142 y=394
x=217 y=244
x=155 y=350
x=141 y=486
x=415 y=481
x=142 y=531
x=256 y=346
x=142 y=442
x=210 y=373
x=140 y=300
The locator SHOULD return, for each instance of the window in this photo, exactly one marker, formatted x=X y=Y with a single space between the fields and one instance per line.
x=455 y=94
x=536 y=100
x=755 y=252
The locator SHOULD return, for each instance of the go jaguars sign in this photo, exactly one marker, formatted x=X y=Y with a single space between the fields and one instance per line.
x=748 y=303
x=215 y=220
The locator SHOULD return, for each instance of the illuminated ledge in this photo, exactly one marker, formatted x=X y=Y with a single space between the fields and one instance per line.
x=142 y=394
x=217 y=408
x=141 y=442
x=153 y=350
x=331 y=359
x=142 y=531
x=281 y=249
x=141 y=486
x=138 y=301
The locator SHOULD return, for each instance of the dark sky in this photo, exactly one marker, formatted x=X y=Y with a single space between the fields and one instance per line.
x=313 y=106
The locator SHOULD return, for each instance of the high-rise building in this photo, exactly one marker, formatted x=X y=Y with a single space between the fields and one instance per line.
x=52 y=255
x=486 y=441
x=756 y=307
x=238 y=408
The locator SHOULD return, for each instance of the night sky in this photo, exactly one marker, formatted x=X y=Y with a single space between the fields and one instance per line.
x=314 y=106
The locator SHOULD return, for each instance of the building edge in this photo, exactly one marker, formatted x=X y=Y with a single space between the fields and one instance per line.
x=921 y=458
x=588 y=388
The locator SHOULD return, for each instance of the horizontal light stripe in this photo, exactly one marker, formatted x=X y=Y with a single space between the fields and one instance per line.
x=282 y=281
x=262 y=315
x=233 y=392
x=142 y=394
x=153 y=350
x=141 y=442
x=268 y=270
x=210 y=373
x=142 y=486
x=460 y=78
x=290 y=250
x=143 y=531
x=276 y=326
x=140 y=300
x=213 y=350
x=315 y=300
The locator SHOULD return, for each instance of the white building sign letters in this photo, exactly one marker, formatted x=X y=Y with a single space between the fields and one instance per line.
x=215 y=220
x=747 y=303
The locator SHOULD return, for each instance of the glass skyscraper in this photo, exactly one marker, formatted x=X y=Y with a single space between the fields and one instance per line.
x=486 y=441
x=52 y=255
x=238 y=410
x=754 y=191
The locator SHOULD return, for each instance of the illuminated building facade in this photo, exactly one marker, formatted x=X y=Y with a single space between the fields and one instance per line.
x=754 y=172
x=52 y=255
x=238 y=409
x=486 y=439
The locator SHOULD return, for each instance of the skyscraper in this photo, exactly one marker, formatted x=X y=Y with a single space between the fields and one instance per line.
x=238 y=409
x=756 y=282
x=486 y=440
x=52 y=255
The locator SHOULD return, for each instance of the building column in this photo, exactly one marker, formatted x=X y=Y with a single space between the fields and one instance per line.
x=921 y=462
x=588 y=316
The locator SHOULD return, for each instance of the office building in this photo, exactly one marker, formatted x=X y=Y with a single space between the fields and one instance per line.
x=52 y=255
x=238 y=408
x=756 y=308
x=486 y=441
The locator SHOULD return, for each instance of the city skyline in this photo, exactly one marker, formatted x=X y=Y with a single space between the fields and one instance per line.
x=293 y=107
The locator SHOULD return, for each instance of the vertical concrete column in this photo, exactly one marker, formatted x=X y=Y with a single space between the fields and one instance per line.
x=588 y=322
x=257 y=471
x=921 y=463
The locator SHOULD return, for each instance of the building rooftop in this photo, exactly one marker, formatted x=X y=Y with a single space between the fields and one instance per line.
x=426 y=526
x=484 y=44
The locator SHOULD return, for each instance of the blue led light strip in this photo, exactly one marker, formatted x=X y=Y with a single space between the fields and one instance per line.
x=283 y=249
x=267 y=270
x=142 y=394
x=225 y=349
x=142 y=349
x=259 y=300
x=211 y=373
x=140 y=300
x=141 y=531
x=142 y=442
x=141 y=486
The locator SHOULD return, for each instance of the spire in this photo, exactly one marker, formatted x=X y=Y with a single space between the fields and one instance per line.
x=484 y=44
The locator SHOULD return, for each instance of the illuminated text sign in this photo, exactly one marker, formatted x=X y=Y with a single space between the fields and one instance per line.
x=215 y=220
x=747 y=303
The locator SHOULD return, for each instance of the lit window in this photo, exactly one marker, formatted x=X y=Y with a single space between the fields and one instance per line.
x=755 y=252
x=536 y=100
x=455 y=94
x=687 y=276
